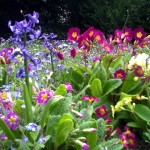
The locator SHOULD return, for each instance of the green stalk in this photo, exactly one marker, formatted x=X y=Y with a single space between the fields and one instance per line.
x=52 y=63
x=126 y=20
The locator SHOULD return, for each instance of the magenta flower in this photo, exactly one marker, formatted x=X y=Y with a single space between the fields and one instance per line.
x=99 y=36
x=128 y=34
x=101 y=112
x=73 y=34
x=44 y=96
x=120 y=74
x=73 y=53
x=60 y=55
x=90 y=98
x=139 y=34
x=108 y=48
x=12 y=120
x=139 y=72
x=89 y=33
x=3 y=137
x=69 y=87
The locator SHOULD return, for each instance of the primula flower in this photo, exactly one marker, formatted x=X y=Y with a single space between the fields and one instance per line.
x=90 y=98
x=139 y=72
x=3 y=137
x=73 y=53
x=120 y=74
x=73 y=34
x=108 y=48
x=44 y=96
x=139 y=34
x=90 y=33
x=12 y=120
x=98 y=36
x=69 y=87
x=60 y=55
x=101 y=112
x=128 y=34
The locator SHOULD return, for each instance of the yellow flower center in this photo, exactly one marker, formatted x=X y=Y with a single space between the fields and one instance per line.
x=102 y=111
x=97 y=38
x=131 y=142
x=4 y=95
x=91 y=33
x=139 y=34
x=44 y=96
x=12 y=120
x=139 y=71
x=74 y=34
x=126 y=33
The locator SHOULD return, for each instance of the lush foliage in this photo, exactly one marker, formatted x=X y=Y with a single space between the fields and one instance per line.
x=86 y=92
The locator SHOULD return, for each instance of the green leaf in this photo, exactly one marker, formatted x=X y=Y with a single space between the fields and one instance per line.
x=96 y=88
x=49 y=107
x=77 y=77
x=107 y=60
x=7 y=130
x=129 y=83
x=91 y=136
x=61 y=90
x=111 y=85
x=134 y=125
x=102 y=75
x=64 y=127
x=23 y=145
x=116 y=62
x=142 y=111
x=28 y=105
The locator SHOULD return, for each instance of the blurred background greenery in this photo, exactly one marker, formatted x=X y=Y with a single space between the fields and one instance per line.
x=58 y=16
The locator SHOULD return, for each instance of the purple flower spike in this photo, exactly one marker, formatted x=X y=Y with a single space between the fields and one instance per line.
x=33 y=18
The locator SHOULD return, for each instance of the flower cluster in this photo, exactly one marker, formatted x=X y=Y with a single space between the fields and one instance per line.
x=129 y=138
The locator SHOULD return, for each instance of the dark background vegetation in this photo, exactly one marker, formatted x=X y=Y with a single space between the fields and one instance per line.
x=58 y=16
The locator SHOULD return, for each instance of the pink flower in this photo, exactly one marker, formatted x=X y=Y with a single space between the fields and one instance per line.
x=3 y=137
x=44 y=96
x=108 y=48
x=101 y=112
x=73 y=34
x=69 y=87
x=120 y=74
x=90 y=33
x=12 y=120
x=139 y=72
x=98 y=36
x=73 y=53
x=139 y=34
x=128 y=34
x=90 y=98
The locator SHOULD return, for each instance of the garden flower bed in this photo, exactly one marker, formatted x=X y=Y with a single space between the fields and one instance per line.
x=86 y=92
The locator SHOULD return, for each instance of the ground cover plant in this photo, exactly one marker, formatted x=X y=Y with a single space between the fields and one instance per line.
x=87 y=92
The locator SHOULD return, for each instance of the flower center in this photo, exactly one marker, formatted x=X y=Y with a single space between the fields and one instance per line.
x=91 y=33
x=119 y=75
x=44 y=96
x=139 y=34
x=102 y=111
x=12 y=120
x=74 y=34
x=107 y=48
x=4 y=95
x=98 y=38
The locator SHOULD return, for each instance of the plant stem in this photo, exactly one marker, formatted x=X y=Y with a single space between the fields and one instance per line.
x=126 y=20
x=52 y=64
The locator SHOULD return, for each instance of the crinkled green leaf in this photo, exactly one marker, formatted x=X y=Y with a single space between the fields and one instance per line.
x=111 y=84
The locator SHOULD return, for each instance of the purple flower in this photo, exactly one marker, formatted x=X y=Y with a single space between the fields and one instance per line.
x=3 y=137
x=12 y=120
x=25 y=139
x=120 y=74
x=82 y=144
x=32 y=127
x=44 y=96
x=21 y=73
x=33 y=18
x=101 y=112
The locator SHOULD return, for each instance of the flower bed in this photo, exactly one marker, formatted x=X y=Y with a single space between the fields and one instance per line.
x=86 y=92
